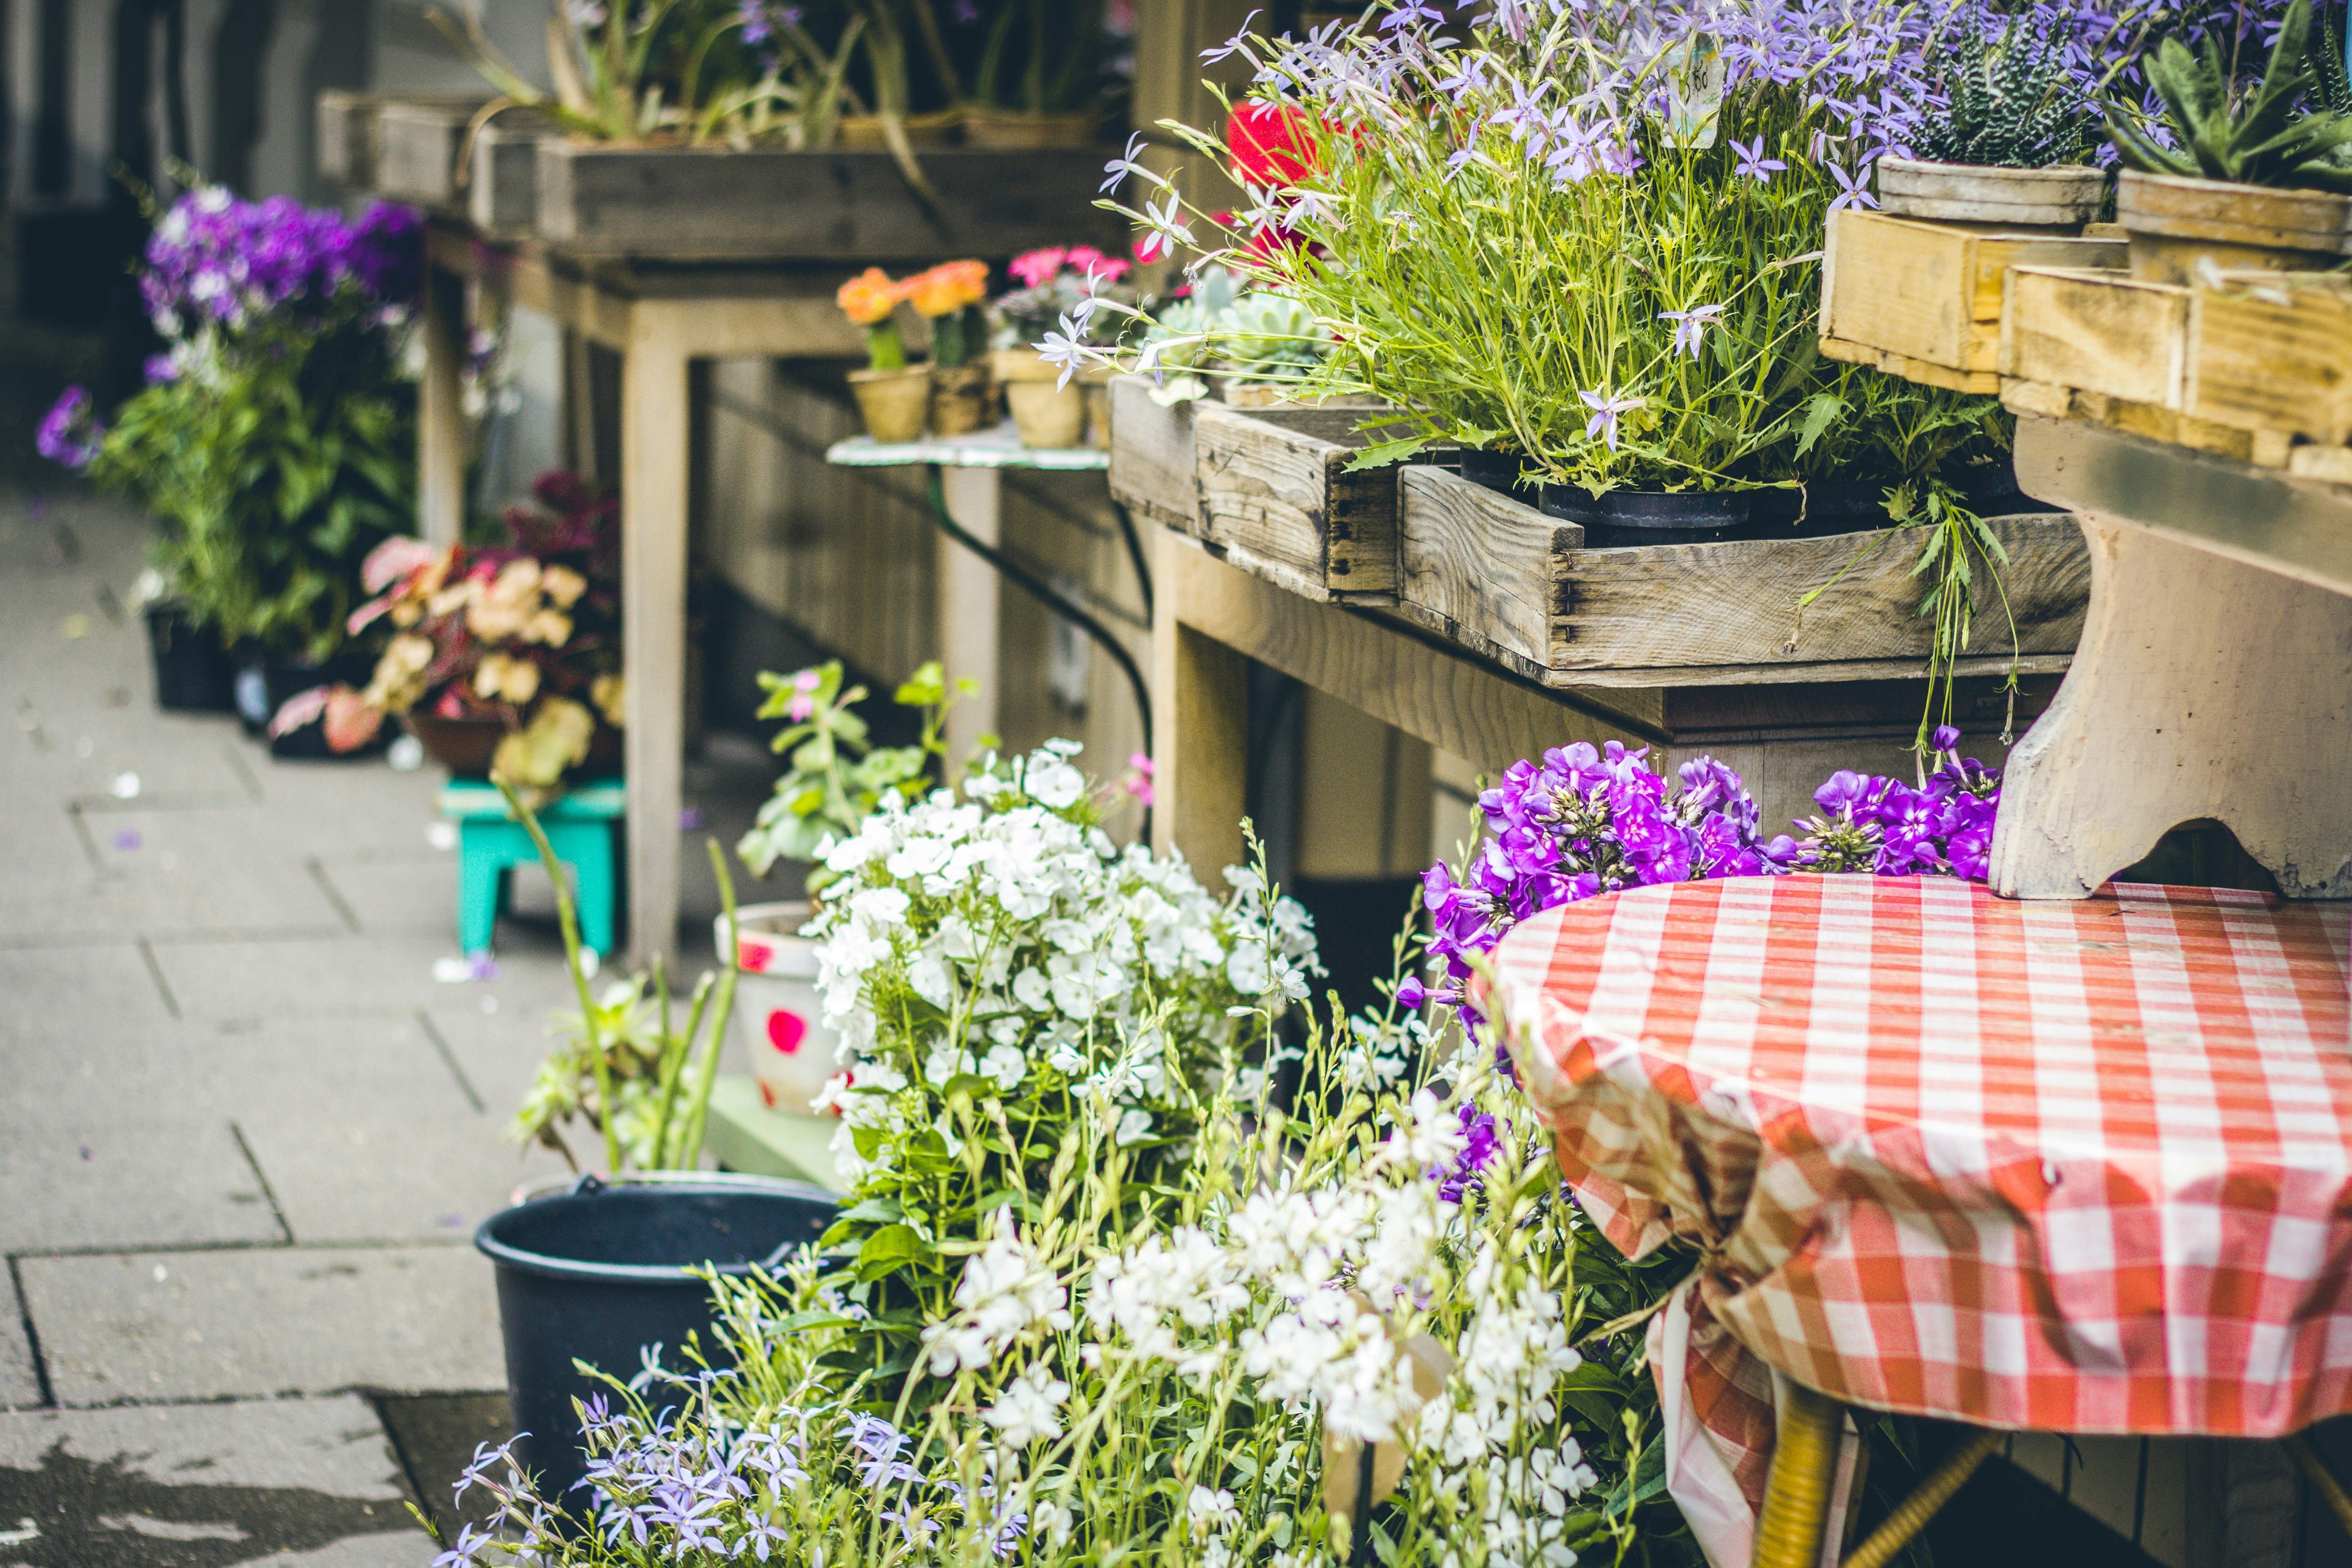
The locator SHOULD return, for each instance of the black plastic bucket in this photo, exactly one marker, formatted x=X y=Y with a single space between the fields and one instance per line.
x=597 y=1273
x=194 y=674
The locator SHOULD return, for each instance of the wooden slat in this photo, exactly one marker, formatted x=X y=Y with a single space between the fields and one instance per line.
x=1931 y=294
x=1274 y=492
x=2274 y=355
x=1508 y=582
x=2096 y=332
x=682 y=204
x=416 y=150
x=1982 y=383
x=1152 y=455
x=502 y=181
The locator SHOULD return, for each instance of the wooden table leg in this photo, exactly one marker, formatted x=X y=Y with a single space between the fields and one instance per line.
x=1200 y=703
x=655 y=431
x=440 y=411
x=970 y=605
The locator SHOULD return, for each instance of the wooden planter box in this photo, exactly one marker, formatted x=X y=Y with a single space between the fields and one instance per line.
x=1923 y=301
x=854 y=208
x=350 y=132
x=502 y=181
x=1152 y=455
x=418 y=143
x=1508 y=582
x=1276 y=499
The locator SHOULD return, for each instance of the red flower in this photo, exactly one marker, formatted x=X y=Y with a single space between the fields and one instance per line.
x=1271 y=143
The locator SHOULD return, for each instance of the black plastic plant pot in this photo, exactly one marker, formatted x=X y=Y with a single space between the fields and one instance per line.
x=194 y=674
x=265 y=680
x=1497 y=471
x=1820 y=509
x=1624 y=519
x=597 y=1273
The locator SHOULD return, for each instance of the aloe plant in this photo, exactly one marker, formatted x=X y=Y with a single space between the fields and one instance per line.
x=2010 y=99
x=2263 y=137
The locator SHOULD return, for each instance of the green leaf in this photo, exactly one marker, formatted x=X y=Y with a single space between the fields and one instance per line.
x=1820 y=409
x=1381 y=453
x=883 y=1209
x=889 y=1250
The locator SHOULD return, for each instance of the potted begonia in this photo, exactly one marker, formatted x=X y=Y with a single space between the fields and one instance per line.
x=2230 y=175
x=275 y=438
x=503 y=662
x=893 y=396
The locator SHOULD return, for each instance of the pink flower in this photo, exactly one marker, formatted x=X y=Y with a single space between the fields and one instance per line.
x=1093 y=264
x=1138 y=777
x=1038 y=267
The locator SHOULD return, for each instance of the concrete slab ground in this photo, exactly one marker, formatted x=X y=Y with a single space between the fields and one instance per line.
x=248 y=1133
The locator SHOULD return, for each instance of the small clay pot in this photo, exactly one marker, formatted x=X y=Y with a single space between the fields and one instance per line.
x=894 y=403
x=2059 y=200
x=2173 y=223
x=959 y=399
x=1008 y=131
x=1049 y=417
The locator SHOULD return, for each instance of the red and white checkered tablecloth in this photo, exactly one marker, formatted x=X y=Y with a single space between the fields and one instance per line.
x=2074 y=1166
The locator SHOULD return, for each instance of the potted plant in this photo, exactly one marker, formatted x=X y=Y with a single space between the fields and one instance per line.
x=2005 y=142
x=893 y=396
x=835 y=778
x=613 y=1271
x=2236 y=176
x=1055 y=281
x=504 y=663
x=1039 y=81
x=275 y=438
x=948 y=297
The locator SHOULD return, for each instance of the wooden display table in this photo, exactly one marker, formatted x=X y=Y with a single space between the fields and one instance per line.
x=660 y=321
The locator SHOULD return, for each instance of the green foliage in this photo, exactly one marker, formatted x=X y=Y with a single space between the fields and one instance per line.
x=274 y=472
x=2259 y=137
x=1056 y=65
x=2010 y=102
x=835 y=778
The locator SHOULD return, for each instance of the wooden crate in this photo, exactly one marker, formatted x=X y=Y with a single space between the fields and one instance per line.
x=418 y=145
x=1923 y=301
x=853 y=208
x=1276 y=499
x=2097 y=332
x=1518 y=587
x=502 y=179
x=351 y=134
x=1152 y=455
x=2273 y=352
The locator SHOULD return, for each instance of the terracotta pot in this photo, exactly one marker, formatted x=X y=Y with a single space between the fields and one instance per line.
x=894 y=403
x=863 y=132
x=1048 y=417
x=959 y=399
x=2057 y=200
x=465 y=747
x=2173 y=224
x=1009 y=130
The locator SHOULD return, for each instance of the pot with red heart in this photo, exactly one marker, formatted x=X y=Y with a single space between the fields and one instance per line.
x=779 y=1019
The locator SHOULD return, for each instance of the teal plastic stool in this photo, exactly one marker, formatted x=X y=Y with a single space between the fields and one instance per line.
x=579 y=827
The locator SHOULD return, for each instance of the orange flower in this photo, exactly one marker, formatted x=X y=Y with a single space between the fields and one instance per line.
x=948 y=288
x=870 y=296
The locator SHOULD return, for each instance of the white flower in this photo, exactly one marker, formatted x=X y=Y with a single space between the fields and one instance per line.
x=944 y=1062
x=931 y=981
x=1030 y=989
x=1052 y=782
x=1025 y=1412
x=1006 y=1065
x=834 y=1099
x=1006 y=1290
x=1211 y=1512
x=1134 y=1126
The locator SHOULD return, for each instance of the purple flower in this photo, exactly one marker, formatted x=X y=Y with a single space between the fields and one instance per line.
x=1752 y=161
x=1854 y=189
x=1477 y=1153
x=754 y=17
x=1606 y=411
x=1689 y=326
x=70 y=433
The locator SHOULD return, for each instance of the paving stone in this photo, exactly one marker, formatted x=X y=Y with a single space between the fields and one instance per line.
x=406 y=895
x=322 y=976
x=309 y=1481
x=139 y=1177
x=19 y=1382
x=265 y=1320
x=437 y=1435
x=367 y=1132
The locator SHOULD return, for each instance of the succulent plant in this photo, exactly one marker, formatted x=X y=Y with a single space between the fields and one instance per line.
x=1271 y=337
x=2010 y=100
x=2263 y=137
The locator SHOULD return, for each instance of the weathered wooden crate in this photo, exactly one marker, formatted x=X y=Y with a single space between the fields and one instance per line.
x=1518 y=587
x=1277 y=500
x=1152 y=455
x=714 y=204
x=2273 y=352
x=350 y=132
x=2097 y=332
x=1923 y=301
x=418 y=141
x=502 y=176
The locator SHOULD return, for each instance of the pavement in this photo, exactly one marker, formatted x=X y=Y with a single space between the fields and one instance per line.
x=245 y=1134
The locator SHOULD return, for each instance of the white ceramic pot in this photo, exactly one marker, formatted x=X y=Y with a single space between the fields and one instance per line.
x=778 y=1024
